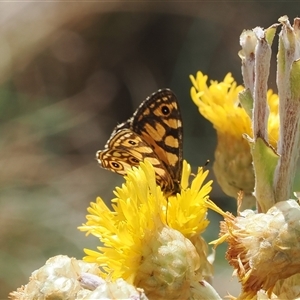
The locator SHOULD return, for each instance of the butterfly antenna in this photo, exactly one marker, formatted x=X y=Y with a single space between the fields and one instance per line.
x=206 y=163
x=203 y=167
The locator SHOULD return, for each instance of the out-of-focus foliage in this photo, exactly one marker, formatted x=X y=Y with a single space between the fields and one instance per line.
x=69 y=73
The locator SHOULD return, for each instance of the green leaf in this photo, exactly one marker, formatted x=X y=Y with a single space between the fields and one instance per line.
x=295 y=80
x=246 y=100
x=265 y=160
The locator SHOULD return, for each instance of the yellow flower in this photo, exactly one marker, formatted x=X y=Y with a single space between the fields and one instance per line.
x=219 y=103
x=185 y=211
x=140 y=246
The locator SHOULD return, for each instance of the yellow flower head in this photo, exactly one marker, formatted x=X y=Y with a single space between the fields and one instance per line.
x=219 y=103
x=136 y=237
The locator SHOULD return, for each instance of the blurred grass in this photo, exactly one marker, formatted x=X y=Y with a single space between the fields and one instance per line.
x=69 y=73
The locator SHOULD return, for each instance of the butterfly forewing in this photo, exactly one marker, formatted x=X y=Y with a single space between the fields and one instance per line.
x=154 y=132
x=164 y=135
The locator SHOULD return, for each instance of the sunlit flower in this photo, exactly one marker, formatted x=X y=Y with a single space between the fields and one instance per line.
x=219 y=103
x=185 y=211
x=67 y=278
x=262 y=248
x=141 y=246
x=106 y=289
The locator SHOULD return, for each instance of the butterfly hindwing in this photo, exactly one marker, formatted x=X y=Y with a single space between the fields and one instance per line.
x=154 y=132
x=126 y=149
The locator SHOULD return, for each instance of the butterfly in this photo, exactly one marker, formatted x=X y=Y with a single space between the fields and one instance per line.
x=153 y=132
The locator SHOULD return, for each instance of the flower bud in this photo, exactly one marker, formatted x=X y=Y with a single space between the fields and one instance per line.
x=263 y=248
x=168 y=266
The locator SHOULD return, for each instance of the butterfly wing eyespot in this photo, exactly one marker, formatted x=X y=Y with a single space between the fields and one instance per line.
x=153 y=132
x=115 y=166
x=165 y=110
x=133 y=160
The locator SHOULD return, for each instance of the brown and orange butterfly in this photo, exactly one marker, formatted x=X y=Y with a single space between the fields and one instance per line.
x=154 y=132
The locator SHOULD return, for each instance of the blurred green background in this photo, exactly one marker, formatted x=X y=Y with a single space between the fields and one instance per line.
x=69 y=73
